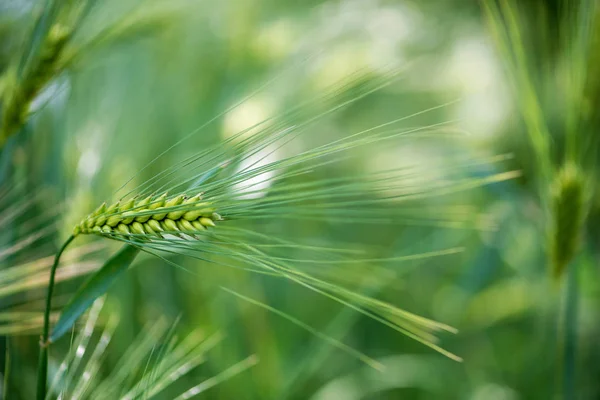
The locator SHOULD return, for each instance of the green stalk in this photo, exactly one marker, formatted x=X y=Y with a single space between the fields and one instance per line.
x=43 y=360
x=7 y=363
x=568 y=339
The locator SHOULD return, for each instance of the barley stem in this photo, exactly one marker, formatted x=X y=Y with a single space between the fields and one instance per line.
x=43 y=361
x=568 y=348
x=7 y=365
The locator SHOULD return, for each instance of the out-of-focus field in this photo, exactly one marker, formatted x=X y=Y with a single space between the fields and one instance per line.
x=165 y=68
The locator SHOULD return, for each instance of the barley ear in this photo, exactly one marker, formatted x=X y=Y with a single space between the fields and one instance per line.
x=26 y=88
x=145 y=219
x=568 y=209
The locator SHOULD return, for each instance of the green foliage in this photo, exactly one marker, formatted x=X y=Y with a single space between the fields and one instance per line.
x=94 y=287
x=358 y=202
x=154 y=362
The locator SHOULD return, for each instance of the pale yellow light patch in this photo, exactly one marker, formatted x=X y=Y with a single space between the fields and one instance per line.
x=276 y=40
x=474 y=71
x=420 y=168
x=248 y=116
x=493 y=391
x=341 y=64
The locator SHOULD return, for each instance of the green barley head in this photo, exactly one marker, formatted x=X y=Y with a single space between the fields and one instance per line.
x=151 y=217
x=568 y=208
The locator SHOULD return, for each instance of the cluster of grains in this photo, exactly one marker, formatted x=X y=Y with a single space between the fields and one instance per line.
x=150 y=217
x=16 y=105
x=568 y=215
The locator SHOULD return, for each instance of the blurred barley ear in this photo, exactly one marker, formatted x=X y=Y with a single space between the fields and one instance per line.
x=567 y=202
x=52 y=48
x=24 y=89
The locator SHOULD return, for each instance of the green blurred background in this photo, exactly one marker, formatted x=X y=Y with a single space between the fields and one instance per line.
x=165 y=68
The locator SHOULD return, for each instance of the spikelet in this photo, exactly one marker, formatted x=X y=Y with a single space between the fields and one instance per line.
x=150 y=217
x=568 y=215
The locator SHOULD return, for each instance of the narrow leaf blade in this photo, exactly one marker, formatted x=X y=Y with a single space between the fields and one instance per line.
x=93 y=288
